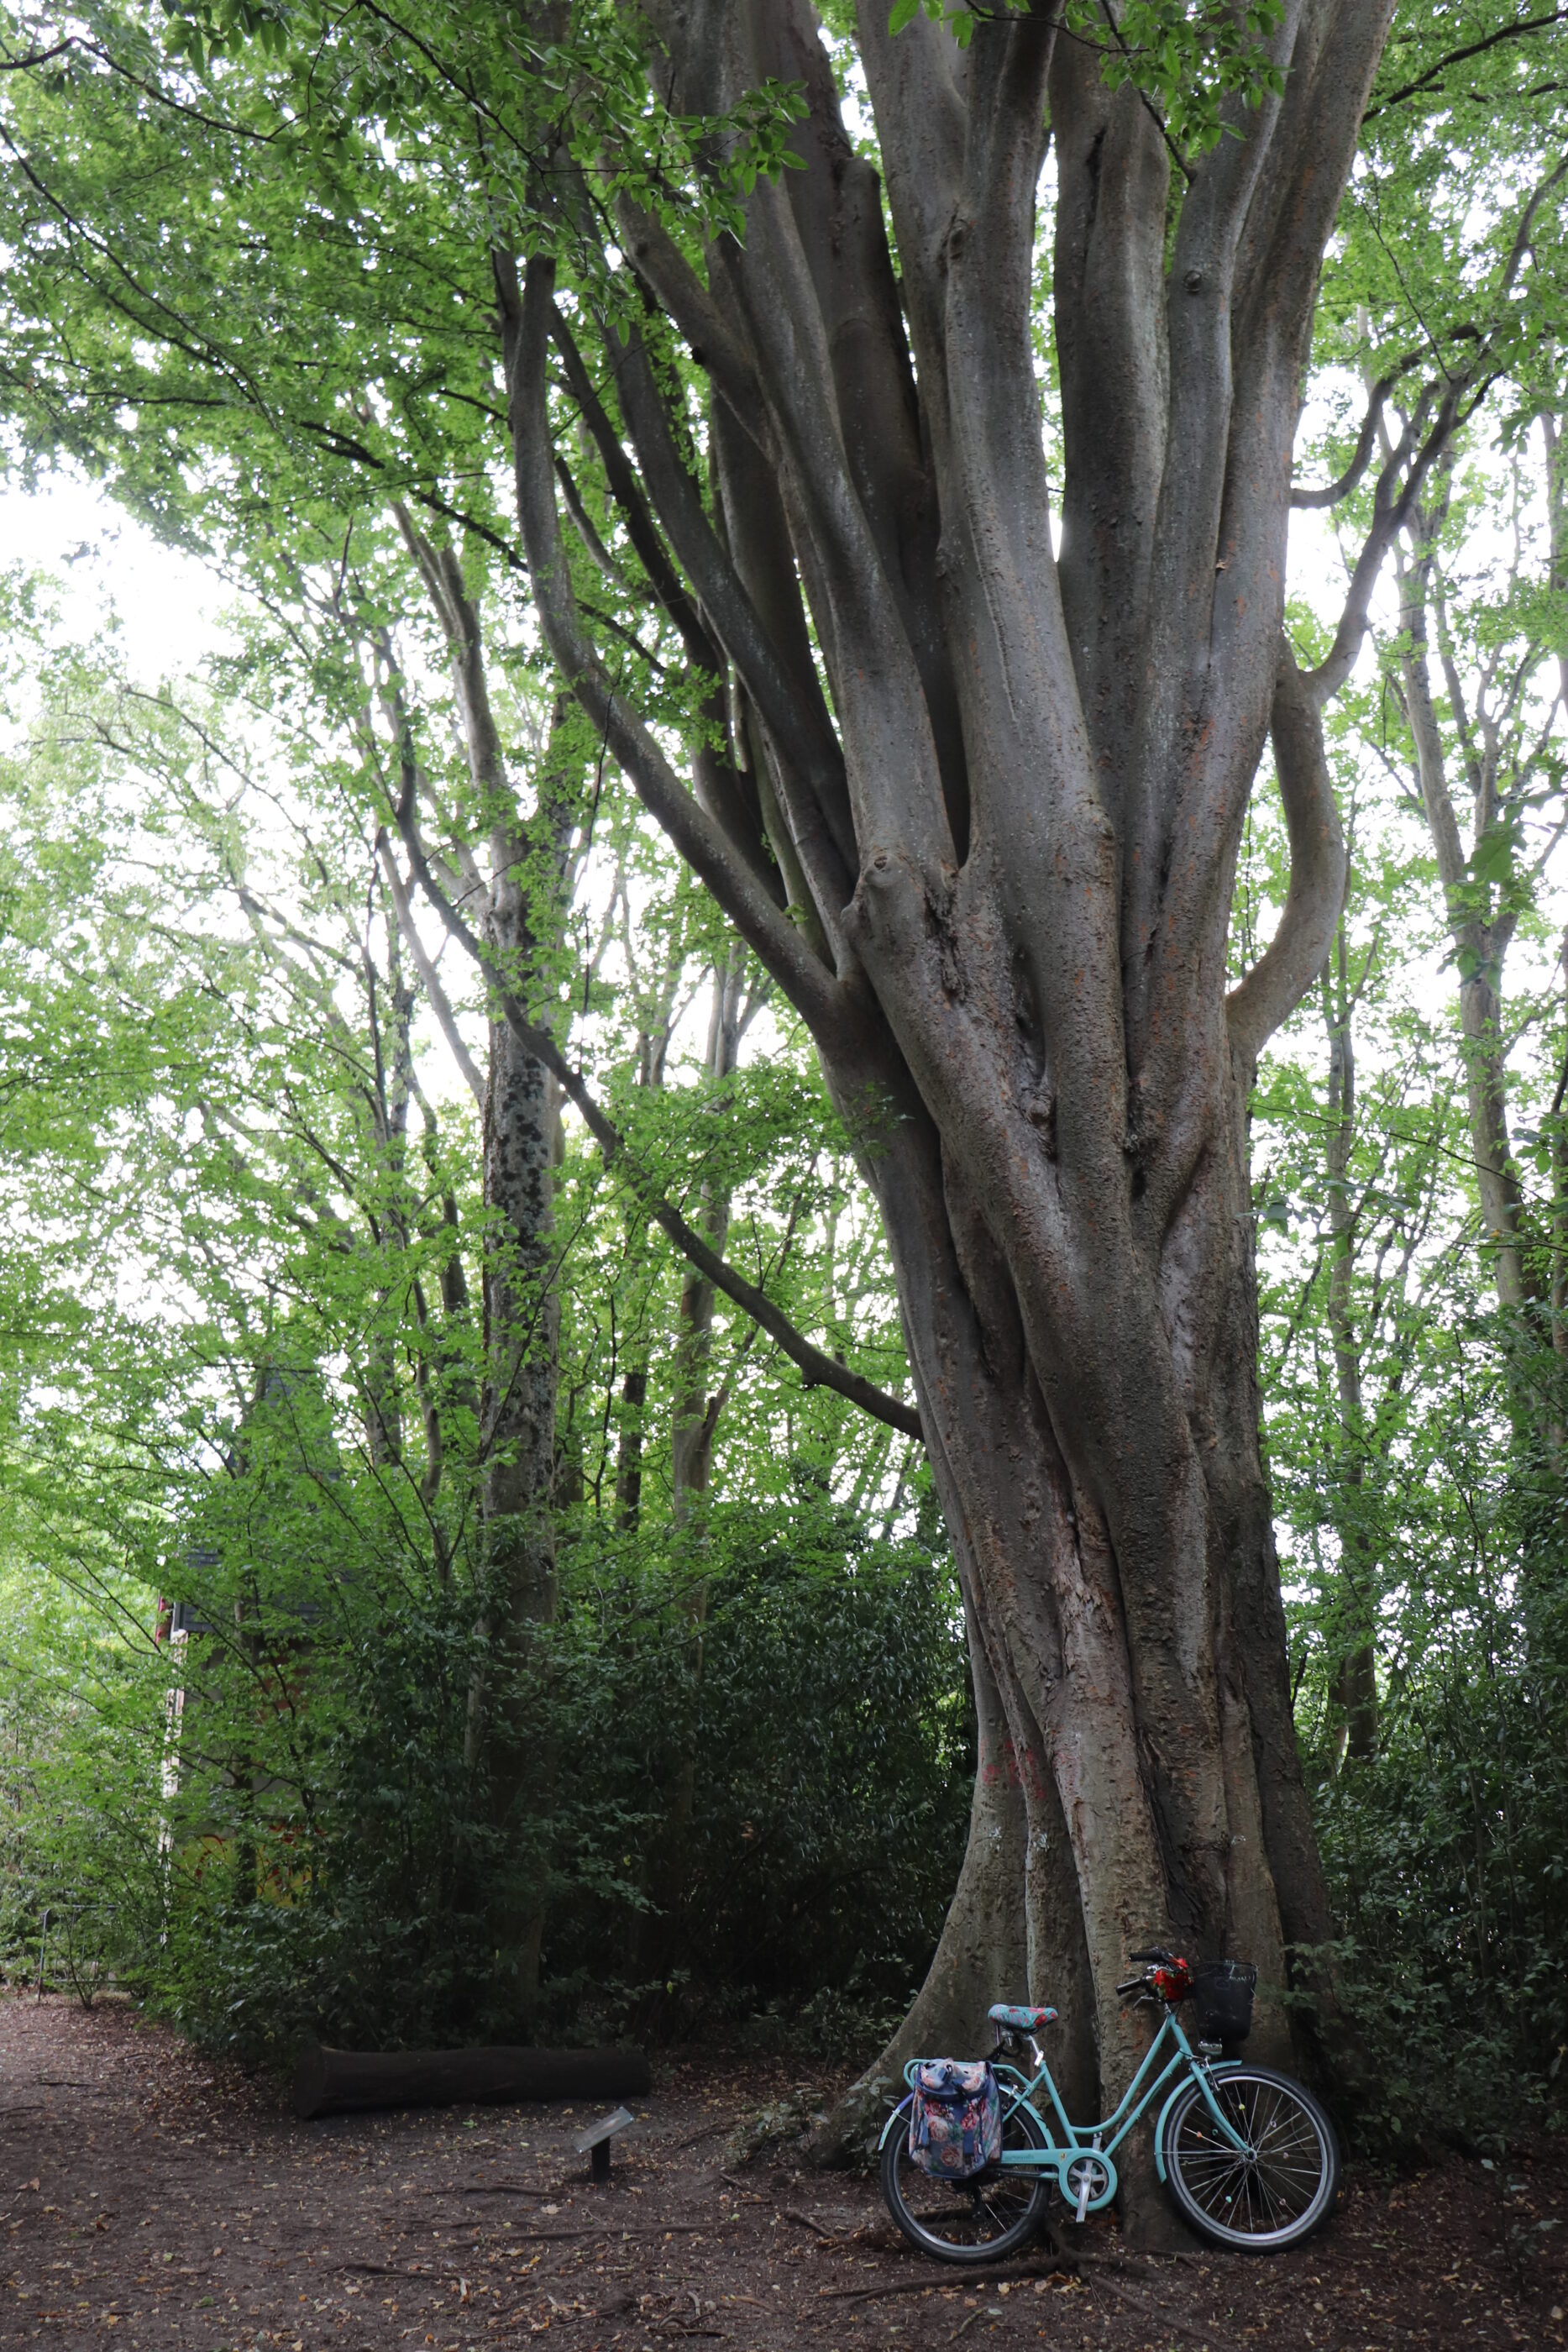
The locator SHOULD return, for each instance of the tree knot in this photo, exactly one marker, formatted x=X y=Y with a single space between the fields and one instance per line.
x=1039 y=1109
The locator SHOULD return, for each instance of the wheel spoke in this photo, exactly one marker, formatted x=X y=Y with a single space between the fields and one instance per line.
x=966 y=2220
x=1279 y=2185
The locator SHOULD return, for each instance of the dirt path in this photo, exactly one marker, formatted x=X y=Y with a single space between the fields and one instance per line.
x=150 y=2197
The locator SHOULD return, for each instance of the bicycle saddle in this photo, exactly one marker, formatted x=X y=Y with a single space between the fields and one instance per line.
x=1022 y=2021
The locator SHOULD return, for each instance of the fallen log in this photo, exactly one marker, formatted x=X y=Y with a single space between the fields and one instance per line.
x=334 y=2081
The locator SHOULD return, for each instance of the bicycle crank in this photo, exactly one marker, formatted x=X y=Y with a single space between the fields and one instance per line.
x=1088 y=2182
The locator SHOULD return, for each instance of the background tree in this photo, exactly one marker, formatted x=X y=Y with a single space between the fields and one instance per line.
x=253 y=1394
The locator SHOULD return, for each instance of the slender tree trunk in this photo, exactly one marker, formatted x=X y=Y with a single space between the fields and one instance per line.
x=1356 y=1675
x=653 y=1046
x=523 y=913
x=1480 y=944
x=522 y=1307
x=392 y=1062
x=694 y=1428
x=629 y=1450
x=517 y=1418
x=695 y=1414
x=1557 y=522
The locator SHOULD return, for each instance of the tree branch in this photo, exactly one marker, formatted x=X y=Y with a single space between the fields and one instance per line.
x=627 y=491
x=682 y=296
x=797 y=721
x=820 y=1371
x=1330 y=493
x=585 y=526
x=1284 y=972
x=744 y=898
x=719 y=790
x=440 y=1002
x=1390 y=511
x=1517 y=32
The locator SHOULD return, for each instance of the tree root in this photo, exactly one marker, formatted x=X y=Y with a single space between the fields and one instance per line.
x=1071 y=2264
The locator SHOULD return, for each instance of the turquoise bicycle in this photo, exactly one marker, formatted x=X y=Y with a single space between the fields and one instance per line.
x=1248 y=2155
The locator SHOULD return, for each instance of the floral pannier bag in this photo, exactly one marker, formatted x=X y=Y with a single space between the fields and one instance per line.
x=955 y=2118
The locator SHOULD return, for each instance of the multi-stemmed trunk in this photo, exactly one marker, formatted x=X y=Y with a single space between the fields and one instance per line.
x=1010 y=841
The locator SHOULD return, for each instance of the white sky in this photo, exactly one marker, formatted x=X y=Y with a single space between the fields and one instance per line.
x=111 y=571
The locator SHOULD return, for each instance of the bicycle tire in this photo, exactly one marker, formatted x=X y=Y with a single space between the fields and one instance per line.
x=977 y=2220
x=1280 y=2193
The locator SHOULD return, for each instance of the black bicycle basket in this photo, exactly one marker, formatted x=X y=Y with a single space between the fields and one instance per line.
x=1222 y=1997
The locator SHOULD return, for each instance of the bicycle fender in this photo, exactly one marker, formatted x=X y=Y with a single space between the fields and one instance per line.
x=894 y=2115
x=1051 y=2138
x=1221 y=2067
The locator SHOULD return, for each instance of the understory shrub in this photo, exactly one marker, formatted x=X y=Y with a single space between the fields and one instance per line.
x=749 y=1758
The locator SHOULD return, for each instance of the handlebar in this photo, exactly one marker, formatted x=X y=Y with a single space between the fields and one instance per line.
x=1154 y=1952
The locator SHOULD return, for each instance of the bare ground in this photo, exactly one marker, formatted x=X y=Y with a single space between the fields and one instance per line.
x=149 y=2197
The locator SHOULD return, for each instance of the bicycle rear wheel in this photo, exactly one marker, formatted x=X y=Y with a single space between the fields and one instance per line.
x=977 y=2221
x=1280 y=2189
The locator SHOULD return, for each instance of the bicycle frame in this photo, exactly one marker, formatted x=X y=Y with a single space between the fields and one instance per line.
x=1101 y=2140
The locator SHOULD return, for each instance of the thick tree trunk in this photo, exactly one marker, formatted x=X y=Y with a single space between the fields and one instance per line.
x=1121 y=1779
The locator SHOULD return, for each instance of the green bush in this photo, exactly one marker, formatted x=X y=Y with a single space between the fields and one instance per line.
x=749 y=1814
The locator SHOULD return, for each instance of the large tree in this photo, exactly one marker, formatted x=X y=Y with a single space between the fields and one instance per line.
x=969 y=761
x=1008 y=828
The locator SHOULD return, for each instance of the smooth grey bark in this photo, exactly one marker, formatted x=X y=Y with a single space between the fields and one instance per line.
x=1009 y=830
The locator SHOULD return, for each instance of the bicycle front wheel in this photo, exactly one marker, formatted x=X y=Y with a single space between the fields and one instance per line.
x=1276 y=2193
x=977 y=2221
